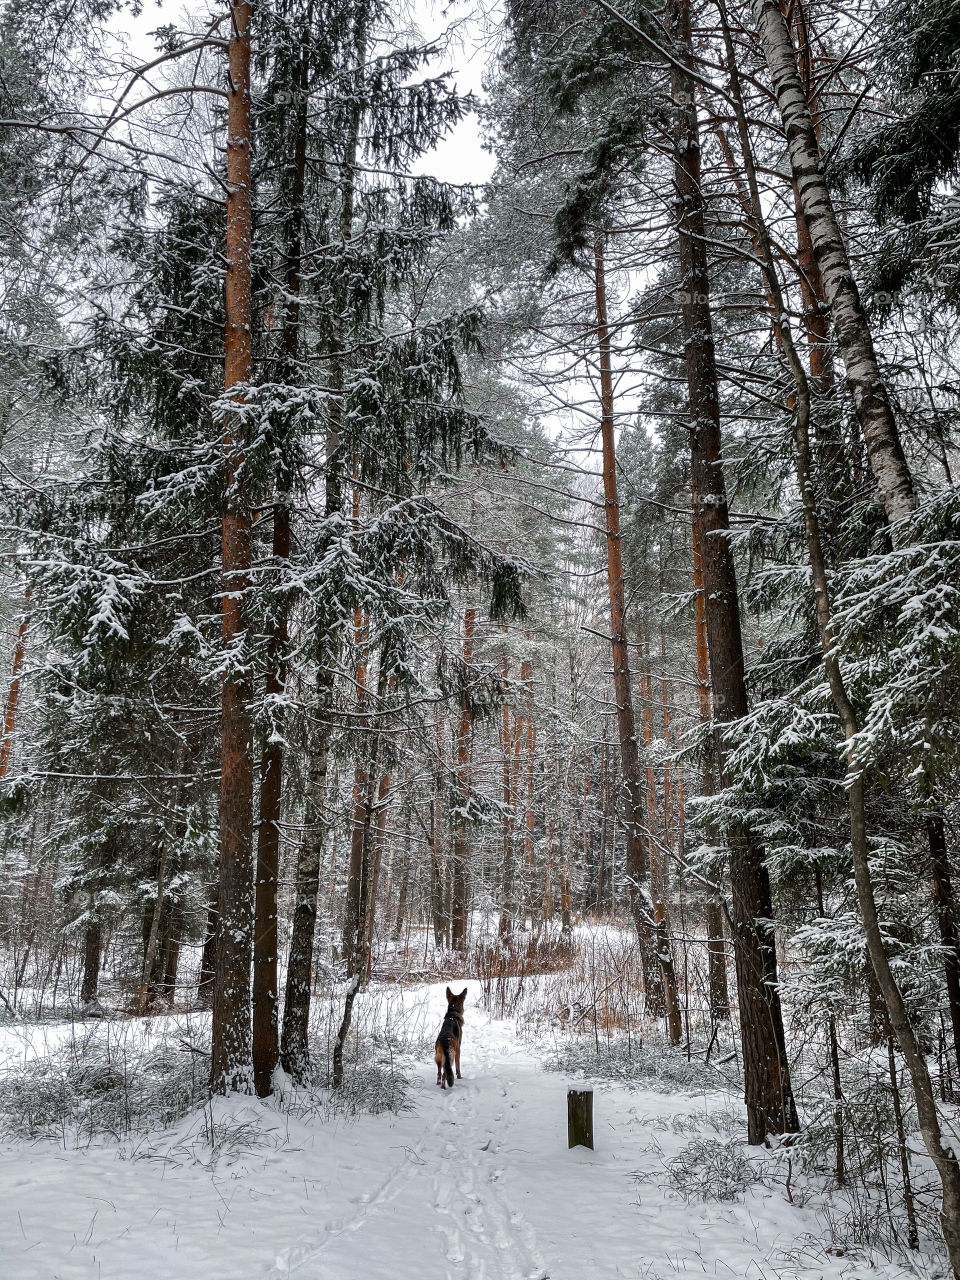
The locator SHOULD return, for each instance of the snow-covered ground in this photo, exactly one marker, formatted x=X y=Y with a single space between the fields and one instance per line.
x=472 y=1184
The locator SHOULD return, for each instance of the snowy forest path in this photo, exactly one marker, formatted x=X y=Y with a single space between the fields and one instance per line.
x=444 y=1192
x=473 y=1183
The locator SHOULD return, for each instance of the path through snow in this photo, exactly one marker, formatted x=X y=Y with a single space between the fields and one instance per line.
x=473 y=1184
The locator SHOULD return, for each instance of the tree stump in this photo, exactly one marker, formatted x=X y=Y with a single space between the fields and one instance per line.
x=580 y=1118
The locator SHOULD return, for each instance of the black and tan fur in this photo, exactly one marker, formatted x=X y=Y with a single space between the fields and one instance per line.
x=447 y=1052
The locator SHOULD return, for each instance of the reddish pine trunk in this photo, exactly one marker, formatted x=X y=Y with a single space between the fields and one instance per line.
x=507 y=909
x=626 y=724
x=519 y=899
x=529 y=823
x=713 y=909
x=231 y=1060
x=461 y=850
x=437 y=883
x=13 y=693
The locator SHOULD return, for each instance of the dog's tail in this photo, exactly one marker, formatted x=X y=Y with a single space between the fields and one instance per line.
x=447 y=1064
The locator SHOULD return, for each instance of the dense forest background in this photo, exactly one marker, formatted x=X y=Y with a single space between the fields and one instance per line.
x=404 y=579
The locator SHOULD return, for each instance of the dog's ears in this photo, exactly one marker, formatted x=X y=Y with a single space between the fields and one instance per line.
x=463 y=994
x=449 y=994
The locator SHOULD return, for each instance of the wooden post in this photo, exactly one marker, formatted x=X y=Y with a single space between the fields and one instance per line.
x=580 y=1118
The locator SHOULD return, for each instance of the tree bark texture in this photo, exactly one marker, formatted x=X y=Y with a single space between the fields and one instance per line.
x=713 y=908
x=13 y=692
x=943 y=898
x=767 y=1088
x=92 y=939
x=294 y=1046
x=631 y=775
x=171 y=954
x=507 y=910
x=231 y=1059
x=266 y=1042
x=208 y=958
x=153 y=935
x=659 y=876
x=363 y=783
x=531 y=904
x=850 y=325
x=461 y=846
x=372 y=861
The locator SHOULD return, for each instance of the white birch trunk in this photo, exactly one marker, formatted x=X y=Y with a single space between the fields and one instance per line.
x=850 y=325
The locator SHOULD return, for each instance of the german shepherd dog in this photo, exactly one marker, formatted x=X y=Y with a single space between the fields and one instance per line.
x=449 y=1039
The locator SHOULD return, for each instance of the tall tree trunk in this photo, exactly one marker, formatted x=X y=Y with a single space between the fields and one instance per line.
x=768 y=1092
x=668 y=814
x=404 y=884
x=437 y=886
x=370 y=799
x=231 y=1059
x=436 y=883
x=294 y=1032
x=713 y=908
x=363 y=803
x=530 y=903
x=375 y=860
x=928 y=1119
x=850 y=325
x=507 y=908
x=461 y=848
x=943 y=898
x=812 y=295
x=363 y=783
x=153 y=935
x=626 y=723
x=362 y=845
x=839 y=1166
x=659 y=885
x=92 y=939
x=594 y=849
x=815 y=308
x=208 y=958
x=13 y=692
x=927 y=1115
x=554 y=820
x=171 y=955
x=294 y=1045
x=266 y=1040
x=566 y=883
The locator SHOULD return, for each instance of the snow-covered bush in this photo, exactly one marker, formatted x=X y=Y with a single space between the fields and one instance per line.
x=101 y=1085
x=711 y=1169
x=648 y=1064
